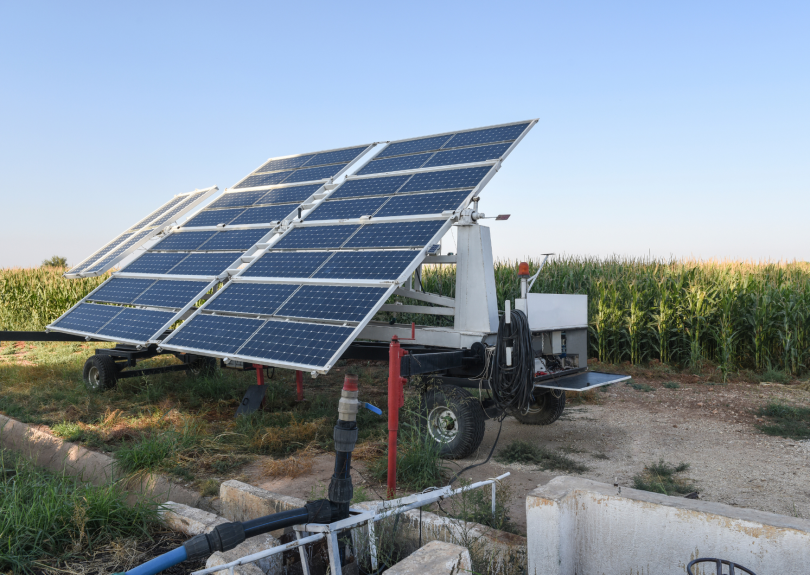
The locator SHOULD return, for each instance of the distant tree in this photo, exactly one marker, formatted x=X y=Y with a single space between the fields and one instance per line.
x=55 y=262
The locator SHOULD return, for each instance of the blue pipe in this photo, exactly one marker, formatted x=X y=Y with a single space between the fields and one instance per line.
x=160 y=562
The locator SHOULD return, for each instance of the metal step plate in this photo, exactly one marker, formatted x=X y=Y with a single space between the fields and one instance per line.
x=582 y=381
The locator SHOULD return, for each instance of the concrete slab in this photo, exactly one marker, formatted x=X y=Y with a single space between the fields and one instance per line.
x=435 y=558
x=189 y=520
x=266 y=566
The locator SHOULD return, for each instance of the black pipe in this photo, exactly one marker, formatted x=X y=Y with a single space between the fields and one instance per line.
x=276 y=521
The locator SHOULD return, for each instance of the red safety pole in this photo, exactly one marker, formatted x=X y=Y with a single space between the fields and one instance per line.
x=396 y=399
x=259 y=374
x=299 y=385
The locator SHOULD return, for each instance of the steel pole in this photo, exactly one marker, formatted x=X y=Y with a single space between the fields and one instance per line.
x=393 y=413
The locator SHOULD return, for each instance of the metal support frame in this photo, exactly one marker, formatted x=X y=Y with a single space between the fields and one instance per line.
x=396 y=399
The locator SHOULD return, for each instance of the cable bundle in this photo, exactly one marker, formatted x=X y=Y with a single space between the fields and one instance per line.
x=512 y=386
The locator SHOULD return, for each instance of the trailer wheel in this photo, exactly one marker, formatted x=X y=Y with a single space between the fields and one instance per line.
x=546 y=409
x=203 y=366
x=100 y=373
x=453 y=419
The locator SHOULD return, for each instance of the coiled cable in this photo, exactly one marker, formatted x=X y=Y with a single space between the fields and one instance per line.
x=512 y=385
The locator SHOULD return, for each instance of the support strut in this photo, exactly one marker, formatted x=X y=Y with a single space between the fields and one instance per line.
x=396 y=399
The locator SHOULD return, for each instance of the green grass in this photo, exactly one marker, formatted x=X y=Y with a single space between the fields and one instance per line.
x=785 y=420
x=774 y=376
x=50 y=517
x=519 y=451
x=662 y=477
x=672 y=385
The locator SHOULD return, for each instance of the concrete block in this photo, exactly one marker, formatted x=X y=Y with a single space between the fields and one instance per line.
x=581 y=527
x=189 y=520
x=266 y=566
x=242 y=502
x=435 y=558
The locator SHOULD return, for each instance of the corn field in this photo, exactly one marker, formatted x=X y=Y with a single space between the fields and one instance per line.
x=734 y=314
x=32 y=298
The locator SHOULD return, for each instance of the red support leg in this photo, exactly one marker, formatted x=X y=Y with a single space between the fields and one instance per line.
x=259 y=374
x=299 y=385
x=396 y=399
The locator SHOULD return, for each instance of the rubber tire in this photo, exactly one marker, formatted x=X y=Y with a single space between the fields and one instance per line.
x=549 y=409
x=468 y=415
x=100 y=373
x=203 y=366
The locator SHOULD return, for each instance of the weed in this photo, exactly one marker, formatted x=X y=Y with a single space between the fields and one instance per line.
x=785 y=420
x=291 y=466
x=639 y=386
x=361 y=494
x=774 y=376
x=520 y=451
x=660 y=478
x=68 y=431
x=56 y=516
x=209 y=488
x=672 y=385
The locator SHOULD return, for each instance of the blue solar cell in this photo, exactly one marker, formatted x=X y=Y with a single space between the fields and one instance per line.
x=121 y=290
x=367 y=265
x=468 y=155
x=204 y=264
x=413 y=204
x=131 y=243
x=312 y=174
x=99 y=253
x=338 y=303
x=316 y=237
x=286 y=195
x=346 y=209
x=370 y=187
x=263 y=180
x=162 y=209
x=213 y=217
x=183 y=241
x=218 y=334
x=395 y=164
x=445 y=180
x=296 y=342
x=414 y=146
x=168 y=293
x=262 y=299
x=235 y=239
x=173 y=213
x=337 y=156
x=395 y=235
x=264 y=214
x=88 y=317
x=155 y=263
x=232 y=199
x=502 y=134
x=287 y=264
x=136 y=324
x=285 y=163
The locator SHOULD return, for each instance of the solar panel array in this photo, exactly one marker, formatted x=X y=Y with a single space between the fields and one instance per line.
x=137 y=235
x=298 y=290
x=302 y=299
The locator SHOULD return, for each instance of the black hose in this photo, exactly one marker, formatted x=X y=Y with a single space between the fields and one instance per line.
x=276 y=521
x=512 y=385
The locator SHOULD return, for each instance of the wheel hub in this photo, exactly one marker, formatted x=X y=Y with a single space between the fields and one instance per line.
x=94 y=377
x=442 y=424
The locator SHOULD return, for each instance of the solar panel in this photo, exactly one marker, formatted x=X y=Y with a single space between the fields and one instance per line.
x=415 y=146
x=135 y=324
x=263 y=180
x=114 y=251
x=286 y=264
x=382 y=265
x=120 y=290
x=395 y=235
x=336 y=156
x=395 y=164
x=217 y=334
x=183 y=241
x=499 y=134
x=286 y=195
x=232 y=199
x=337 y=303
x=346 y=209
x=370 y=187
x=468 y=155
x=445 y=179
x=169 y=293
x=414 y=204
x=251 y=298
x=264 y=214
x=298 y=343
x=235 y=240
x=316 y=237
x=155 y=263
x=312 y=174
x=204 y=264
x=285 y=163
x=87 y=317
x=213 y=217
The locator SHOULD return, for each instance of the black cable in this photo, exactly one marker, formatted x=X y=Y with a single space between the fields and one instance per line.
x=491 y=451
x=512 y=385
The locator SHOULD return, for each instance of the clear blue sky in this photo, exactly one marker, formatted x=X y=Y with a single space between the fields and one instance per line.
x=669 y=128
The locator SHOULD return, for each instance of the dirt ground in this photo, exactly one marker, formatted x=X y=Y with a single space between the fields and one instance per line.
x=620 y=430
